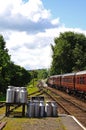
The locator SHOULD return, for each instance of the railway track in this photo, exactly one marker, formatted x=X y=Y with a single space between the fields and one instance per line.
x=55 y=98
x=69 y=100
x=69 y=106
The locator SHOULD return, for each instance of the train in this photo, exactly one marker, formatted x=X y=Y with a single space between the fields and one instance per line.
x=70 y=82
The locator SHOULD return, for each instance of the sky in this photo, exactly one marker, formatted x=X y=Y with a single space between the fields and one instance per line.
x=30 y=26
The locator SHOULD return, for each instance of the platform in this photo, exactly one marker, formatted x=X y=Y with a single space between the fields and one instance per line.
x=71 y=123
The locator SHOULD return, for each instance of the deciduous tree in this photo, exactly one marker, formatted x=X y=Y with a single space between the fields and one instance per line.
x=69 y=53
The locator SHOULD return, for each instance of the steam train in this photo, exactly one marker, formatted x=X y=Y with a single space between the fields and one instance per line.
x=70 y=82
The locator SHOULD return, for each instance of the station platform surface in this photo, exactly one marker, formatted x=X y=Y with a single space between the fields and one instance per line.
x=62 y=122
x=71 y=123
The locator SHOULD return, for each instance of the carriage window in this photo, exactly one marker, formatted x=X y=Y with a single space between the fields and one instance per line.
x=81 y=80
x=84 y=80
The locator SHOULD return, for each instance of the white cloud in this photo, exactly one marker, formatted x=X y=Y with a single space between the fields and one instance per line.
x=55 y=21
x=29 y=50
x=28 y=31
x=30 y=16
x=33 y=10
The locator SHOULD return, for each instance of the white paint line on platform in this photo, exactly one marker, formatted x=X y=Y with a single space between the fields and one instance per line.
x=84 y=128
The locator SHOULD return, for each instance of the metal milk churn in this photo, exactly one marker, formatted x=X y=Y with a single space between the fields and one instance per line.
x=10 y=94
x=30 y=109
x=36 y=108
x=17 y=94
x=54 y=108
x=48 y=109
x=42 y=109
x=23 y=95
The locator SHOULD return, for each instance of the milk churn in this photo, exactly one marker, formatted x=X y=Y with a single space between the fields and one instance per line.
x=30 y=109
x=17 y=95
x=42 y=109
x=23 y=95
x=54 y=109
x=10 y=94
x=48 y=109
x=36 y=108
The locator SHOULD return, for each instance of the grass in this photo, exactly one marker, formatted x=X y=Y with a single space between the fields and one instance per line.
x=32 y=87
x=2 y=110
x=14 y=123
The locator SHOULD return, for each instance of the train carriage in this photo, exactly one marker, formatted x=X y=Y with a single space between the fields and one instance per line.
x=50 y=81
x=57 y=81
x=54 y=81
x=71 y=82
x=68 y=82
x=80 y=82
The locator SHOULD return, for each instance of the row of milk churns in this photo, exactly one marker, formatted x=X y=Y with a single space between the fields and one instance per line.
x=16 y=94
x=41 y=109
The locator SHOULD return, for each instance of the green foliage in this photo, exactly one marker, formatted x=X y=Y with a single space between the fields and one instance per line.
x=4 y=62
x=10 y=74
x=2 y=97
x=39 y=74
x=42 y=73
x=19 y=76
x=69 y=53
x=34 y=74
x=32 y=86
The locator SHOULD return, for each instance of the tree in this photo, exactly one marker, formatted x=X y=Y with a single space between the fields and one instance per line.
x=10 y=74
x=19 y=76
x=39 y=73
x=42 y=73
x=4 y=62
x=69 y=53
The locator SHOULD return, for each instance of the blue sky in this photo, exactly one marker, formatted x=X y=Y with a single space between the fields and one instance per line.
x=30 y=26
x=71 y=12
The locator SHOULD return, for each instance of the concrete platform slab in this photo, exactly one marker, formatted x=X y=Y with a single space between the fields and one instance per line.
x=71 y=123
